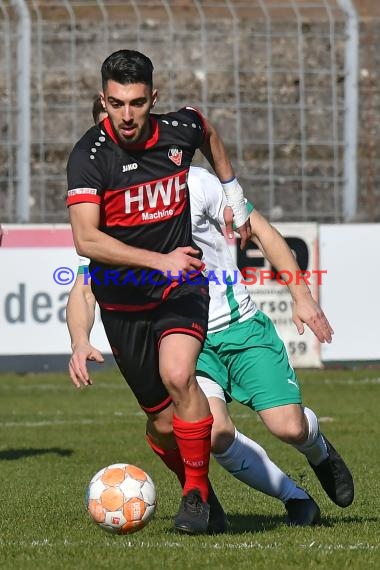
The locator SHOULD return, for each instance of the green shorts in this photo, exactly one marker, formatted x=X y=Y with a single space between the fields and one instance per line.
x=249 y=361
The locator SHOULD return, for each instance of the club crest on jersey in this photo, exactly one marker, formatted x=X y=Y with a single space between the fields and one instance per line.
x=175 y=155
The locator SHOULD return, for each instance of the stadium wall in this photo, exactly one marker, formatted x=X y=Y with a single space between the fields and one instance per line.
x=269 y=74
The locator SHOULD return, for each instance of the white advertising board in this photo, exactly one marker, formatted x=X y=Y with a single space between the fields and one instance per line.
x=38 y=266
x=273 y=297
x=350 y=290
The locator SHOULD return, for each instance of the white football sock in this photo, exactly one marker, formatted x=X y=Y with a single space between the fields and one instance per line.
x=314 y=448
x=249 y=463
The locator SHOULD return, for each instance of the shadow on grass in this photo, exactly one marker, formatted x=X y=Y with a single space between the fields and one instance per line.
x=11 y=454
x=240 y=524
x=254 y=523
x=330 y=521
x=258 y=523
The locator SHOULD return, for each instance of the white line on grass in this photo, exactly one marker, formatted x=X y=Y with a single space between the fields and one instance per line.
x=252 y=545
x=358 y=546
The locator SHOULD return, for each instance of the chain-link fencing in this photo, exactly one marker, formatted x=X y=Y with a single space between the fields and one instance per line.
x=270 y=75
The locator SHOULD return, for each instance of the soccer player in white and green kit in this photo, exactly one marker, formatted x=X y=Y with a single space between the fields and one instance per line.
x=243 y=353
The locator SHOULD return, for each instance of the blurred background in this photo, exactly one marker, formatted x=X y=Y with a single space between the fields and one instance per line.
x=293 y=87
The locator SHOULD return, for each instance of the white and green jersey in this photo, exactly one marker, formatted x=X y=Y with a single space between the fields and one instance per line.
x=230 y=301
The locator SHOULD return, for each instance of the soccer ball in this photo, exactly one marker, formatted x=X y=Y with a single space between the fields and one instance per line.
x=121 y=498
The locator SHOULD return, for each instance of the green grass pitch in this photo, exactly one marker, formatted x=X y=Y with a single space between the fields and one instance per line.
x=54 y=438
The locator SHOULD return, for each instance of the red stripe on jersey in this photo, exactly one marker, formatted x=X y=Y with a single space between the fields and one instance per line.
x=189 y=332
x=172 y=285
x=147 y=203
x=136 y=146
x=83 y=195
x=128 y=308
x=159 y=407
x=175 y=283
x=109 y=130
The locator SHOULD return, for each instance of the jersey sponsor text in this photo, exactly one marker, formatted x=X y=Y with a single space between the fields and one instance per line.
x=146 y=203
x=152 y=195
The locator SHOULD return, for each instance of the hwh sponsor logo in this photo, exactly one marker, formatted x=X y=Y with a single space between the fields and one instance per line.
x=150 y=197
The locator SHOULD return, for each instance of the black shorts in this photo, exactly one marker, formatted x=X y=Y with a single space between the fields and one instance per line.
x=135 y=337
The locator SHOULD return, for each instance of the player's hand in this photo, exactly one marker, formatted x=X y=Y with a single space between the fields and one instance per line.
x=228 y=221
x=308 y=311
x=181 y=261
x=245 y=232
x=78 y=363
x=235 y=199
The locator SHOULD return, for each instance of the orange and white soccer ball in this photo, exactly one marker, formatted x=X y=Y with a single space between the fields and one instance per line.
x=121 y=498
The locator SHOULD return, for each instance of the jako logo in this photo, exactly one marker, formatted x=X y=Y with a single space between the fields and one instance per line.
x=128 y=167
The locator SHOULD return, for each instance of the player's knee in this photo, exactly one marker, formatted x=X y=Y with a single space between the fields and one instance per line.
x=288 y=423
x=294 y=432
x=177 y=379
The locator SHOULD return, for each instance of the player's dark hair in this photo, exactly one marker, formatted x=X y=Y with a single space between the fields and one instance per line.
x=127 y=66
x=97 y=108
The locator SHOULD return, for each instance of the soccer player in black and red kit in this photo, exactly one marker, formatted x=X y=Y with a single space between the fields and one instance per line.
x=130 y=214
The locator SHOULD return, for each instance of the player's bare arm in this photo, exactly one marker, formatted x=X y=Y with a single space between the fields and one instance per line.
x=80 y=314
x=95 y=244
x=277 y=252
x=215 y=152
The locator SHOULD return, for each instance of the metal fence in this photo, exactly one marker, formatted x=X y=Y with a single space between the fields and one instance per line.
x=273 y=76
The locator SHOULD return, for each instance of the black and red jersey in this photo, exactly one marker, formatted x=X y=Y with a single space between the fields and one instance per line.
x=143 y=197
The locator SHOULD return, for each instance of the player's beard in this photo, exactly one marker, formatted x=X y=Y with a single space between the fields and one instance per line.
x=140 y=135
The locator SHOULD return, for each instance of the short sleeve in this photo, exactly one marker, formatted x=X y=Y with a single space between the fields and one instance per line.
x=83 y=178
x=196 y=120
